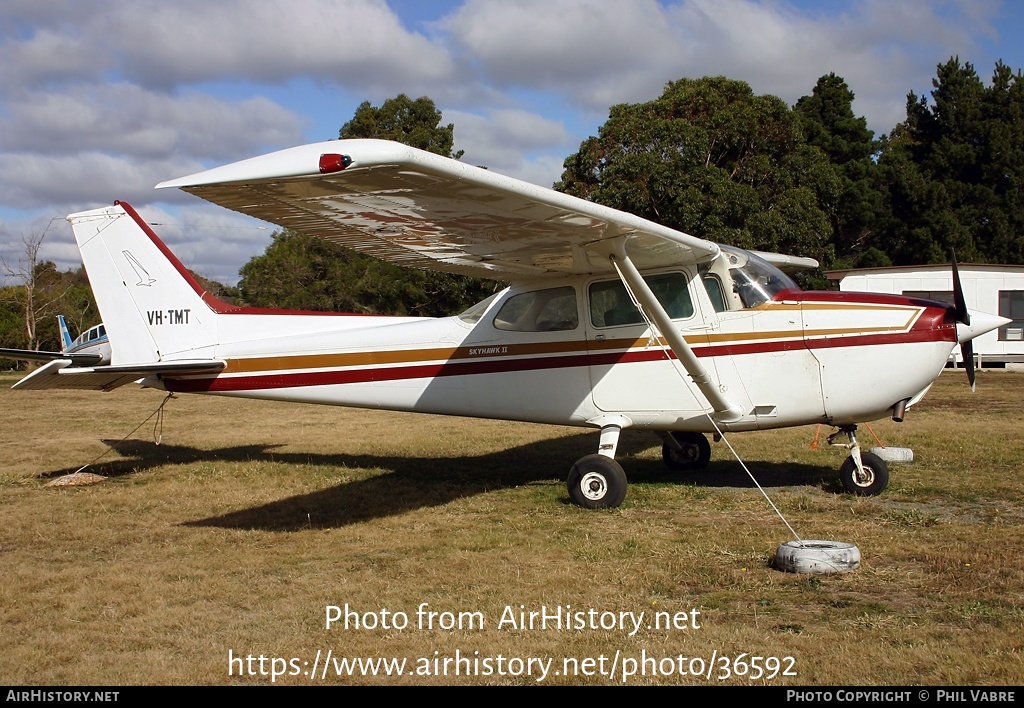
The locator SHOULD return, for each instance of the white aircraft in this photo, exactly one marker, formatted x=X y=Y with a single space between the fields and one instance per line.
x=90 y=348
x=611 y=321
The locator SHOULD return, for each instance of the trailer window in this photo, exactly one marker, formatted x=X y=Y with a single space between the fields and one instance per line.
x=1011 y=305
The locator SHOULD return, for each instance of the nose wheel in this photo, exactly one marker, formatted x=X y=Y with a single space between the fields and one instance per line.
x=863 y=474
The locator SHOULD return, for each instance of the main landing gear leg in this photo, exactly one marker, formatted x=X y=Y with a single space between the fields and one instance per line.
x=863 y=473
x=685 y=451
x=597 y=481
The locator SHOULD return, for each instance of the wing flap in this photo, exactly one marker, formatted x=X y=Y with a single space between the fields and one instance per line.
x=62 y=374
x=418 y=209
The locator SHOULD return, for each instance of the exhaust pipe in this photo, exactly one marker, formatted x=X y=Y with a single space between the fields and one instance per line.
x=899 y=410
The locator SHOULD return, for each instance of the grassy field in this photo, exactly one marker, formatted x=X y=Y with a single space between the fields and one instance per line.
x=232 y=538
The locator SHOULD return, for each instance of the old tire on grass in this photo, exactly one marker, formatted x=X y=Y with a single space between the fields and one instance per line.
x=817 y=557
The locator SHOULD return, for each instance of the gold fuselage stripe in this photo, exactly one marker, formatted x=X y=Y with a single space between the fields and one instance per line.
x=486 y=350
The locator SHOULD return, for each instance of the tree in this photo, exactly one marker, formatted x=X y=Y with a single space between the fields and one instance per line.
x=300 y=271
x=829 y=123
x=35 y=294
x=28 y=311
x=414 y=123
x=711 y=158
x=954 y=171
x=308 y=273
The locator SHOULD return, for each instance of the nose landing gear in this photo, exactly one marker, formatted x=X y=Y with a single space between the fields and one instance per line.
x=863 y=473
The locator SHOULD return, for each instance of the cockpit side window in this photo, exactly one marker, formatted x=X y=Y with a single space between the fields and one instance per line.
x=549 y=310
x=610 y=304
x=716 y=292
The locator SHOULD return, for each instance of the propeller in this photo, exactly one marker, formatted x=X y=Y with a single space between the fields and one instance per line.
x=963 y=316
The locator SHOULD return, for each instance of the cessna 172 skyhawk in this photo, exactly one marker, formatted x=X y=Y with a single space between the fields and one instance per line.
x=611 y=321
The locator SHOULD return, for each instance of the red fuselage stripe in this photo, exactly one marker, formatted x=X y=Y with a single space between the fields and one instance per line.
x=463 y=368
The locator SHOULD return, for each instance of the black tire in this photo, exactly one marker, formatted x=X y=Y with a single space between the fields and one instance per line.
x=694 y=455
x=874 y=481
x=597 y=482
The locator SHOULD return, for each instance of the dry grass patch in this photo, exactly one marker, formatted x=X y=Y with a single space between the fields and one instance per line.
x=250 y=518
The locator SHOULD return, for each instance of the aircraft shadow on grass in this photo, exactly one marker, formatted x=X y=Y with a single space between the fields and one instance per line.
x=411 y=482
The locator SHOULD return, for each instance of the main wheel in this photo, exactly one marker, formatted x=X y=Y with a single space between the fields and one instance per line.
x=693 y=455
x=597 y=482
x=872 y=482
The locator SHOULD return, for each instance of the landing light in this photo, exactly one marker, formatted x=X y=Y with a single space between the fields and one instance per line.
x=331 y=162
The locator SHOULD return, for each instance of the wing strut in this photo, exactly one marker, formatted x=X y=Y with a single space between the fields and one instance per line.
x=725 y=410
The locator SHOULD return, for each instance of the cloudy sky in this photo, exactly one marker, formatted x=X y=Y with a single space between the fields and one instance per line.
x=102 y=99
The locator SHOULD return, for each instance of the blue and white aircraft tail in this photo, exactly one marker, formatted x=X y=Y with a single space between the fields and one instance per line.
x=65 y=336
x=91 y=348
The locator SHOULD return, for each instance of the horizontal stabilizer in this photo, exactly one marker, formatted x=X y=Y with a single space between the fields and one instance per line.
x=60 y=373
x=35 y=355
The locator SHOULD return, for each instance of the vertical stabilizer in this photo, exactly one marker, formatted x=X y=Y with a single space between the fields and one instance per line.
x=66 y=341
x=153 y=309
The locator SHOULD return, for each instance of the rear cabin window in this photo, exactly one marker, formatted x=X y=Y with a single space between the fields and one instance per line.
x=610 y=304
x=550 y=310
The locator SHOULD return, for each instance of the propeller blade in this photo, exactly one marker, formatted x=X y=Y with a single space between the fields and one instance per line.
x=967 y=352
x=962 y=315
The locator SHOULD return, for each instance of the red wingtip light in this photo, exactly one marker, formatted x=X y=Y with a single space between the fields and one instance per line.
x=331 y=162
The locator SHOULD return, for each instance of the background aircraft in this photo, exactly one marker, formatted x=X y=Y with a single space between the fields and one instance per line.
x=90 y=348
x=611 y=321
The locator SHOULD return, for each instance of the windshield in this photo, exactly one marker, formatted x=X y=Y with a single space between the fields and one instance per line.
x=739 y=280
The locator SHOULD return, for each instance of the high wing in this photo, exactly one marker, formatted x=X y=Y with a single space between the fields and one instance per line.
x=418 y=209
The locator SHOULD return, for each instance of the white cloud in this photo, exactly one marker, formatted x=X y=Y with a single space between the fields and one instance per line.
x=509 y=141
x=592 y=50
x=126 y=119
x=350 y=42
x=557 y=42
x=50 y=56
x=88 y=179
x=354 y=43
x=213 y=242
x=100 y=100
x=600 y=53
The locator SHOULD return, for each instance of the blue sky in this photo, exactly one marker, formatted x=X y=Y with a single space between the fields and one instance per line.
x=102 y=99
